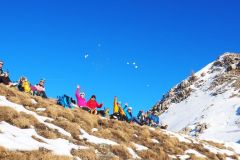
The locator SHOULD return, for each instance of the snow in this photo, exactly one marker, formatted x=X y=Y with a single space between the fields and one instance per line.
x=218 y=112
x=14 y=138
x=183 y=157
x=181 y=138
x=86 y=56
x=41 y=119
x=155 y=141
x=234 y=146
x=94 y=130
x=41 y=109
x=33 y=101
x=216 y=150
x=134 y=155
x=191 y=151
x=95 y=140
x=140 y=147
x=152 y=129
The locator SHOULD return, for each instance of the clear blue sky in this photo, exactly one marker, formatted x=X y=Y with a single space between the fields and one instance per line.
x=167 y=39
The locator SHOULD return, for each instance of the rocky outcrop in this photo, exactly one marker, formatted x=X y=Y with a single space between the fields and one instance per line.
x=228 y=65
x=195 y=130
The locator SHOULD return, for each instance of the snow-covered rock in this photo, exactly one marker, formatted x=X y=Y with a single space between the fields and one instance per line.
x=207 y=104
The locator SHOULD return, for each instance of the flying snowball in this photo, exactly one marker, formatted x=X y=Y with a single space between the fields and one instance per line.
x=128 y=63
x=86 y=56
x=134 y=63
x=136 y=67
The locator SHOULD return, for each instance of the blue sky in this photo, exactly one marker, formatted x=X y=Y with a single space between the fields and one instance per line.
x=167 y=39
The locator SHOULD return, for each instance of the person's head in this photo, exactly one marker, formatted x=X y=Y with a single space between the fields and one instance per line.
x=42 y=81
x=93 y=97
x=5 y=74
x=82 y=94
x=1 y=63
x=22 y=79
x=119 y=103
x=129 y=109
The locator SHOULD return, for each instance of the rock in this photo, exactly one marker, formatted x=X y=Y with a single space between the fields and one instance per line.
x=218 y=64
x=203 y=74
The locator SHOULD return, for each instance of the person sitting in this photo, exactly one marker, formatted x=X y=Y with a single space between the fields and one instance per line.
x=129 y=116
x=20 y=84
x=39 y=89
x=4 y=76
x=93 y=105
x=81 y=101
x=118 y=111
x=24 y=85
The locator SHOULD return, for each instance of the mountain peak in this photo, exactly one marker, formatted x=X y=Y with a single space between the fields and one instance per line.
x=194 y=105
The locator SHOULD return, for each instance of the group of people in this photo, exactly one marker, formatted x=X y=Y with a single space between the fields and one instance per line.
x=125 y=114
x=23 y=84
x=92 y=106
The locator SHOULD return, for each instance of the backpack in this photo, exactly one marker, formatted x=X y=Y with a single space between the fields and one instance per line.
x=154 y=118
x=65 y=101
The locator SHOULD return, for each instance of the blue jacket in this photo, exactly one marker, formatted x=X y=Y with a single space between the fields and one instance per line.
x=128 y=114
x=154 y=118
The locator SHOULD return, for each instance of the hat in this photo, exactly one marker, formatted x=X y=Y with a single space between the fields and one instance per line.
x=129 y=108
x=82 y=93
x=42 y=80
x=93 y=96
x=1 y=61
x=119 y=102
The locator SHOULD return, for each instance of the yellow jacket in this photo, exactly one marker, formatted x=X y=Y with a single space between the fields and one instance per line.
x=26 y=86
x=115 y=106
x=117 y=109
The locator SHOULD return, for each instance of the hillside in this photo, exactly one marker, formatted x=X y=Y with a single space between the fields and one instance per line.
x=32 y=128
x=207 y=104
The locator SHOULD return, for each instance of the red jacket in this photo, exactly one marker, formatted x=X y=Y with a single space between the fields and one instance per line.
x=92 y=104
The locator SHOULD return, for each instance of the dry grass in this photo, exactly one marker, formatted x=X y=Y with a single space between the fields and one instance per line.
x=121 y=151
x=47 y=132
x=74 y=119
x=150 y=155
x=72 y=128
x=20 y=120
x=85 y=154
x=194 y=157
x=33 y=155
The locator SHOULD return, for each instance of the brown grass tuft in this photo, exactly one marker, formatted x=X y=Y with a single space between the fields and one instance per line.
x=121 y=151
x=72 y=128
x=150 y=155
x=33 y=155
x=85 y=154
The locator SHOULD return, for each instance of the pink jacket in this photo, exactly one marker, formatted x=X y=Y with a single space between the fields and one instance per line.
x=81 y=101
x=39 y=88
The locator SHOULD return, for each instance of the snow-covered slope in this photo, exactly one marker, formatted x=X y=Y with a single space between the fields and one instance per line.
x=207 y=104
x=42 y=128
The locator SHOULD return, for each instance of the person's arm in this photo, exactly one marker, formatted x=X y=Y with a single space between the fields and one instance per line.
x=99 y=105
x=126 y=105
x=77 y=91
x=115 y=101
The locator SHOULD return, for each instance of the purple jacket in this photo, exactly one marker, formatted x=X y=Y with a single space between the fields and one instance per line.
x=81 y=101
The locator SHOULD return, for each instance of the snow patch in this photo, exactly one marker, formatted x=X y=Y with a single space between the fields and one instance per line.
x=191 y=151
x=95 y=140
x=140 y=147
x=41 y=109
x=155 y=141
x=14 y=138
x=134 y=155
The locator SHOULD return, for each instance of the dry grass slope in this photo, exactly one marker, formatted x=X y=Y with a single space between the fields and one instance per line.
x=72 y=120
x=33 y=155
